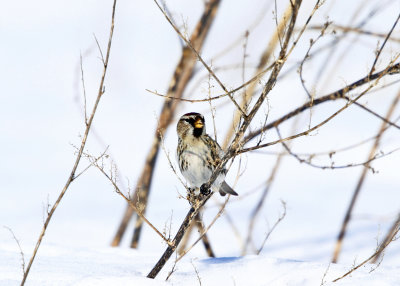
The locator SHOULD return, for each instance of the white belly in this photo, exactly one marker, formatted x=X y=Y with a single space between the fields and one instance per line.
x=196 y=172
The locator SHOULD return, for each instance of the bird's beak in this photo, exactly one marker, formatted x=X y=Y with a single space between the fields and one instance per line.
x=198 y=123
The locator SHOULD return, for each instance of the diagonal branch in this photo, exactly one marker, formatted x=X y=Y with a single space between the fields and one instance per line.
x=232 y=150
x=388 y=240
x=393 y=69
x=383 y=44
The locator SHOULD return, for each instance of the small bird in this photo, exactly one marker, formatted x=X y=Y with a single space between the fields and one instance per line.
x=198 y=155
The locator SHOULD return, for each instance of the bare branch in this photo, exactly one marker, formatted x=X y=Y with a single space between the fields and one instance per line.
x=390 y=236
x=282 y=216
x=84 y=91
x=197 y=272
x=72 y=177
x=19 y=247
x=383 y=45
x=358 y=30
x=391 y=69
x=189 y=44
x=113 y=181
x=204 y=232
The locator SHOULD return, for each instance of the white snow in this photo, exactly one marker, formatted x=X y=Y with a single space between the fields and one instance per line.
x=121 y=266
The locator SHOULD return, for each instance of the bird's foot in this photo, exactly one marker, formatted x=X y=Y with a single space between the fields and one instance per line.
x=204 y=190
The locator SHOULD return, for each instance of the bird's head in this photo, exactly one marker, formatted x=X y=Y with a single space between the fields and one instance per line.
x=191 y=124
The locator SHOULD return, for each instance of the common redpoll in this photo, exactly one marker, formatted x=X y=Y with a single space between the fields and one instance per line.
x=198 y=155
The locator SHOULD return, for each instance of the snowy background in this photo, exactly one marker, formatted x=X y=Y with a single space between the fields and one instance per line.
x=42 y=119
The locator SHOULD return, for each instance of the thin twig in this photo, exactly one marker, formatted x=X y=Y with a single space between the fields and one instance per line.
x=383 y=45
x=172 y=270
x=308 y=131
x=281 y=217
x=19 y=247
x=71 y=177
x=391 y=69
x=197 y=272
x=365 y=163
x=358 y=30
x=84 y=90
x=189 y=44
x=102 y=155
x=371 y=257
x=128 y=200
x=253 y=79
x=390 y=236
x=262 y=67
x=99 y=48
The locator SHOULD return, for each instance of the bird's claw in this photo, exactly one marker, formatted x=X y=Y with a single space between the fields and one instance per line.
x=204 y=190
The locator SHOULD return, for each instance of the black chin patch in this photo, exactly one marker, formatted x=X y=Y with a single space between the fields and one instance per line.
x=197 y=132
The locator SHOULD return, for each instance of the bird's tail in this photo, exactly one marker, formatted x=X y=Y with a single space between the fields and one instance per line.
x=225 y=189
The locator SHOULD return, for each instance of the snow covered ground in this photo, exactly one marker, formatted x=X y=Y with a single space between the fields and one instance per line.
x=120 y=266
x=41 y=118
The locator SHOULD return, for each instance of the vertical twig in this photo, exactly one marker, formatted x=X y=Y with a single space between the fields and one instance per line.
x=84 y=90
x=72 y=177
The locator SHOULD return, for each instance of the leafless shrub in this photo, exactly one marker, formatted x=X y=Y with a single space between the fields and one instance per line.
x=245 y=134
x=72 y=175
x=239 y=137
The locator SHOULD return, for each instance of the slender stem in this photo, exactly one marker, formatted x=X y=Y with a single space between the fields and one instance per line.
x=72 y=177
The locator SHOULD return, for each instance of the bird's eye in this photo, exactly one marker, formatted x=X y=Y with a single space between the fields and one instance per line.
x=189 y=120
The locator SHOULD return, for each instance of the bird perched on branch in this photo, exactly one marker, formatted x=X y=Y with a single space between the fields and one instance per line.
x=198 y=155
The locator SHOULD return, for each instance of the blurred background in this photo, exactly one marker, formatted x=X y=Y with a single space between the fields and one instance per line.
x=42 y=119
